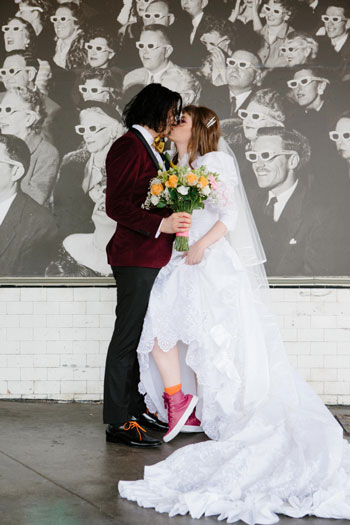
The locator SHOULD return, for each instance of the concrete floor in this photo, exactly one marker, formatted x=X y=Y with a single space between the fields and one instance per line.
x=57 y=469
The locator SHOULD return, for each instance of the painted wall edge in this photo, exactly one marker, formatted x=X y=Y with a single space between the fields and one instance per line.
x=107 y=282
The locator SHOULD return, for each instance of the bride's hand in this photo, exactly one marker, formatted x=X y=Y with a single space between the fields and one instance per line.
x=194 y=254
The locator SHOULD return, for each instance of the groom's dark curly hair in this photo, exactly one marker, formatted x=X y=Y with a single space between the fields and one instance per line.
x=151 y=107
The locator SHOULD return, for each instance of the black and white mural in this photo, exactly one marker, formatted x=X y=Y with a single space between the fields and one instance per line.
x=68 y=69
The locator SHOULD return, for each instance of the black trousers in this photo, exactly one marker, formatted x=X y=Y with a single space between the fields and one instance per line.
x=121 y=396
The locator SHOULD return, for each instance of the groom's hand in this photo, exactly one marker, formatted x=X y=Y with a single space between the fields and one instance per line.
x=177 y=223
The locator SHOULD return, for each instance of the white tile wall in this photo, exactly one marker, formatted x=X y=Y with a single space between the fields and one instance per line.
x=53 y=341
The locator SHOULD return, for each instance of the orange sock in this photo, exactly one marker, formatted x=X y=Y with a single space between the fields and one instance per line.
x=171 y=390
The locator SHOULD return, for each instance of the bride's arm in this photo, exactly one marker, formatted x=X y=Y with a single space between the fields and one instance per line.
x=196 y=251
x=227 y=207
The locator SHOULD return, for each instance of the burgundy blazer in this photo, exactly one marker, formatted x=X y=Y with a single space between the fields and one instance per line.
x=130 y=167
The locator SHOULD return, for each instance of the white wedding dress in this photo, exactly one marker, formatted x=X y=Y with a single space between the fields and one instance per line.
x=275 y=449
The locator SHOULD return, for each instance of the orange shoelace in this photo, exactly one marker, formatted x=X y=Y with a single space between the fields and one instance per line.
x=150 y=413
x=131 y=425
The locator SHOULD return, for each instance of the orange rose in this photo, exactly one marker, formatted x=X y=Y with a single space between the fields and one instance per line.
x=157 y=189
x=172 y=182
x=192 y=179
x=203 y=182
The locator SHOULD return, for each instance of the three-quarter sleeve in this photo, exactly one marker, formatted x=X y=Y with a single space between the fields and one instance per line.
x=225 y=197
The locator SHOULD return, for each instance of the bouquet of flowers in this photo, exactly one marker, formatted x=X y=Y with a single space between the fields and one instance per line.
x=181 y=189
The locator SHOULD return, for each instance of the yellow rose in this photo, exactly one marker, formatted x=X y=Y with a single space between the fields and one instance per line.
x=192 y=179
x=172 y=182
x=203 y=182
x=157 y=189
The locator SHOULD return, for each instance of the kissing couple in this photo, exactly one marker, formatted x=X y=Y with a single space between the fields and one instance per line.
x=195 y=342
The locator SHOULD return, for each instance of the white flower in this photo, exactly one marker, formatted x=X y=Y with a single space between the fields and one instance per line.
x=206 y=191
x=183 y=190
x=154 y=200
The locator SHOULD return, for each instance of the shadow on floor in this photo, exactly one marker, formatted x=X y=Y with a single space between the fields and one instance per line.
x=57 y=469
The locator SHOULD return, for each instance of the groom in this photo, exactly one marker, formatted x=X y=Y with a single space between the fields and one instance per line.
x=140 y=247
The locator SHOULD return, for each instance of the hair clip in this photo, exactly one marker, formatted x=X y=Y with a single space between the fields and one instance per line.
x=211 y=122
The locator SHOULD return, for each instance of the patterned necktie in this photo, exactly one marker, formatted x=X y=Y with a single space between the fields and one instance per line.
x=158 y=144
x=270 y=208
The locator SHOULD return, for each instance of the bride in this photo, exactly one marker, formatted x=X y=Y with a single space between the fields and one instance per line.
x=275 y=448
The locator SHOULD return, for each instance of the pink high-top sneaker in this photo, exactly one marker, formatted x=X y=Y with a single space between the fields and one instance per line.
x=192 y=424
x=179 y=406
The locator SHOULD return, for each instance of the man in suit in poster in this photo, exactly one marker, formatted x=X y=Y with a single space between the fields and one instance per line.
x=155 y=50
x=243 y=78
x=195 y=50
x=336 y=20
x=140 y=247
x=28 y=233
x=302 y=233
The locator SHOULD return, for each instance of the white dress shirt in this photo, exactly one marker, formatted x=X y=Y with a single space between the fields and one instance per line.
x=240 y=99
x=310 y=110
x=157 y=77
x=338 y=43
x=195 y=23
x=5 y=206
x=148 y=137
x=282 y=200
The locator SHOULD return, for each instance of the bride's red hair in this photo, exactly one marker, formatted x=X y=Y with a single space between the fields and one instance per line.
x=204 y=139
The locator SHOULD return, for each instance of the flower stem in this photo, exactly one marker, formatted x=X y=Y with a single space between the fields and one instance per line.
x=181 y=244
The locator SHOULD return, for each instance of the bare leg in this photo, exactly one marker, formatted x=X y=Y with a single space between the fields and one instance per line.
x=168 y=365
x=180 y=407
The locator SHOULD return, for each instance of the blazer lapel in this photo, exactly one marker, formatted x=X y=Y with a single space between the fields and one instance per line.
x=278 y=236
x=8 y=229
x=288 y=227
x=147 y=146
x=292 y=216
x=247 y=100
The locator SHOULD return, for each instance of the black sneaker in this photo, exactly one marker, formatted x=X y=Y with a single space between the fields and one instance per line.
x=150 y=421
x=132 y=434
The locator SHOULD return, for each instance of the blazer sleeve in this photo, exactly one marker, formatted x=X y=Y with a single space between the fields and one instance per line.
x=123 y=167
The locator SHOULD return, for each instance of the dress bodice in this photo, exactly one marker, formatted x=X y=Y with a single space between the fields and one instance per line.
x=218 y=208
